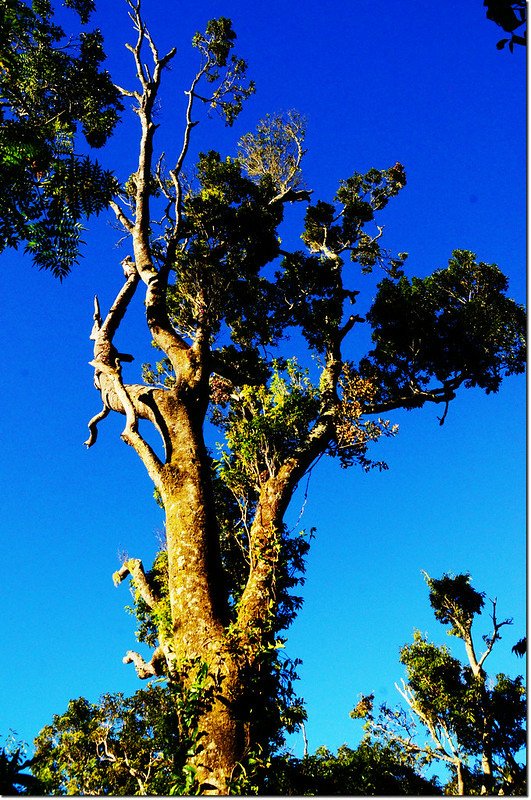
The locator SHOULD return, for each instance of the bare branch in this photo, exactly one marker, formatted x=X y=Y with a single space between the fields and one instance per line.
x=440 y=751
x=121 y=217
x=134 y=401
x=445 y=412
x=146 y=669
x=130 y=434
x=190 y=124
x=119 y=307
x=135 y=568
x=495 y=634
x=127 y=92
x=97 y=320
x=93 y=426
x=276 y=150
x=414 y=398
x=292 y=196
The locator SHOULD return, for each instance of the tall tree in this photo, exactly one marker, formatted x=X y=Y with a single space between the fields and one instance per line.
x=475 y=724
x=221 y=295
x=50 y=85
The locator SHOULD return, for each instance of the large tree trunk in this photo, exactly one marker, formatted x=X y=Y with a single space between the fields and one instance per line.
x=222 y=736
x=198 y=604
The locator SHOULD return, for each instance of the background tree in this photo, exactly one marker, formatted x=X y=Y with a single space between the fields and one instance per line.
x=50 y=86
x=476 y=725
x=369 y=770
x=118 y=746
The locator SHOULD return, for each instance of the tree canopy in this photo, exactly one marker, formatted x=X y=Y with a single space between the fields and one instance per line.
x=119 y=746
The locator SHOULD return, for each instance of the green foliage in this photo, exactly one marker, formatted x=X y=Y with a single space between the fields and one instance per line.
x=520 y=648
x=49 y=87
x=471 y=720
x=264 y=425
x=138 y=745
x=215 y=46
x=457 y=326
x=119 y=746
x=332 y=230
x=446 y=693
x=508 y=701
x=231 y=234
x=372 y=769
x=454 y=600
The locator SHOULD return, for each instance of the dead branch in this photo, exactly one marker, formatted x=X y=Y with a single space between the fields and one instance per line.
x=495 y=634
x=135 y=568
x=130 y=433
x=147 y=669
x=93 y=426
x=292 y=196
x=131 y=400
x=122 y=217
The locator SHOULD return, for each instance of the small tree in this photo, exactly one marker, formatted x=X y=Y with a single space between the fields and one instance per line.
x=476 y=725
x=118 y=746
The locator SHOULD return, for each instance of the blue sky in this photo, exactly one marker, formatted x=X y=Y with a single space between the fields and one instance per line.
x=425 y=87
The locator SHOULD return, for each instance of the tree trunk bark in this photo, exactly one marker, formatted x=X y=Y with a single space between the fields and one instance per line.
x=460 y=780
x=222 y=742
x=486 y=760
x=198 y=605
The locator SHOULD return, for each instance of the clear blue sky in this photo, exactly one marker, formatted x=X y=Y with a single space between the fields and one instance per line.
x=421 y=83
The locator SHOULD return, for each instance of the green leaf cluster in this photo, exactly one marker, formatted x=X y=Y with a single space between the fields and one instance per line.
x=154 y=623
x=334 y=229
x=371 y=769
x=230 y=230
x=454 y=600
x=215 y=46
x=456 y=326
x=50 y=87
x=118 y=746
x=264 y=425
x=446 y=692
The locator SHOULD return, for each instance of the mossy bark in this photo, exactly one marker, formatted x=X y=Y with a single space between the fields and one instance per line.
x=197 y=599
